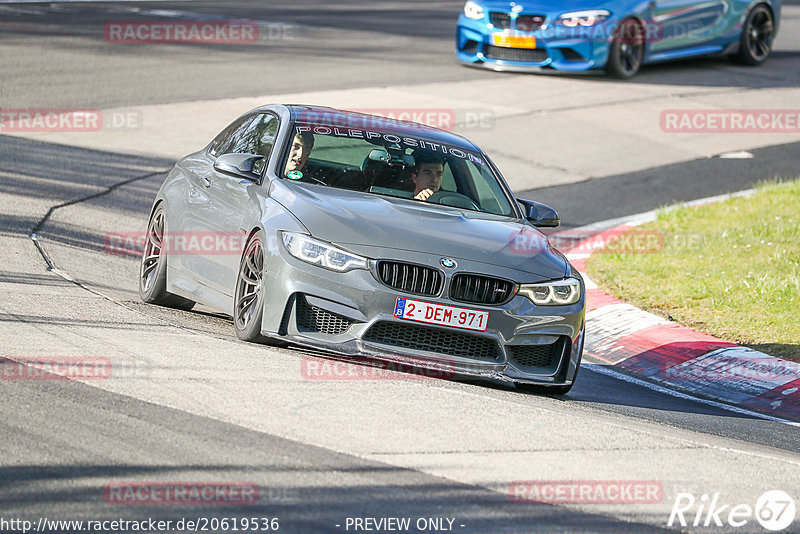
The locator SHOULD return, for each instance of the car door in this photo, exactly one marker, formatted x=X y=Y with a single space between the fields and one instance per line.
x=221 y=202
x=679 y=24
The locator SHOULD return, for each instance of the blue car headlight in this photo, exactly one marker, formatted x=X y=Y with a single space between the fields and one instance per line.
x=320 y=253
x=582 y=18
x=473 y=10
x=556 y=293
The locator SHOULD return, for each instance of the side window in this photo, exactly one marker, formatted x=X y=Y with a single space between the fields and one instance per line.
x=254 y=136
x=261 y=135
x=224 y=137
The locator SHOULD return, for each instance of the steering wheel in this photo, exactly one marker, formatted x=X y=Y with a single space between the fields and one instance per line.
x=453 y=199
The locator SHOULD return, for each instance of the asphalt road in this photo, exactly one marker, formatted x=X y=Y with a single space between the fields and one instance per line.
x=54 y=53
x=197 y=404
x=593 y=201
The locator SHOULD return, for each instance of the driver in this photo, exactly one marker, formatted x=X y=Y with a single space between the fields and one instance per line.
x=426 y=174
x=302 y=144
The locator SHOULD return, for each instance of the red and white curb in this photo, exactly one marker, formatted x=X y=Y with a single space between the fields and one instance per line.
x=657 y=350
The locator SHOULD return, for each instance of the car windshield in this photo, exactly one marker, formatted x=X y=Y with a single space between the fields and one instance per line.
x=396 y=165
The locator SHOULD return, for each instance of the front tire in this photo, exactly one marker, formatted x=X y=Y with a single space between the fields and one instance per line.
x=153 y=267
x=758 y=33
x=626 y=53
x=248 y=305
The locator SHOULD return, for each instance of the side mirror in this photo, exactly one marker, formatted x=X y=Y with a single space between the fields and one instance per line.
x=539 y=214
x=248 y=166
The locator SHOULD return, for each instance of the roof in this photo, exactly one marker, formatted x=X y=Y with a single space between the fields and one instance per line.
x=366 y=122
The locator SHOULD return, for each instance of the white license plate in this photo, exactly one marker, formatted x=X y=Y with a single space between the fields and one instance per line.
x=427 y=312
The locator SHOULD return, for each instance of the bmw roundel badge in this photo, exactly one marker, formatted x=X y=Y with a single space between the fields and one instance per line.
x=448 y=263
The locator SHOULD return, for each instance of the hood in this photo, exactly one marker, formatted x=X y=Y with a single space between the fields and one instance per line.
x=351 y=218
x=542 y=7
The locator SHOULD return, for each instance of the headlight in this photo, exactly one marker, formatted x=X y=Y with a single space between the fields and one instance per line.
x=583 y=18
x=557 y=293
x=320 y=253
x=473 y=10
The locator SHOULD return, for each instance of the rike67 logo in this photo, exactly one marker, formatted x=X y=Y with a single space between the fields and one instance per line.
x=774 y=510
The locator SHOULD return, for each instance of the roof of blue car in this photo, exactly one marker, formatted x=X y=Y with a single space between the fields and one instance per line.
x=361 y=121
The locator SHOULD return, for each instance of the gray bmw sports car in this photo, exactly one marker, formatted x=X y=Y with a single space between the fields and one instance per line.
x=367 y=236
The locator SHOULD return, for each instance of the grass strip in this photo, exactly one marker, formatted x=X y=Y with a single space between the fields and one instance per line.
x=730 y=269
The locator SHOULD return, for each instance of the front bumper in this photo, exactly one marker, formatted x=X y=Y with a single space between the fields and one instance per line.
x=556 y=47
x=351 y=313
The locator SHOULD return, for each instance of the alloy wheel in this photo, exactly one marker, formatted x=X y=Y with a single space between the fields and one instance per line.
x=248 y=288
x=153 y=250
x=631 y=50
x=759 y=35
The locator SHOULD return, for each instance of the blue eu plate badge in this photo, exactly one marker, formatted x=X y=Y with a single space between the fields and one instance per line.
x=400 y=307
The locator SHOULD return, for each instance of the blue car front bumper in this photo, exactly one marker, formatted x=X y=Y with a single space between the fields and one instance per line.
x=556 y=47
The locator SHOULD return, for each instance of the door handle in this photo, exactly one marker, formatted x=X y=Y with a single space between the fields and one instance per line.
x=206 y=181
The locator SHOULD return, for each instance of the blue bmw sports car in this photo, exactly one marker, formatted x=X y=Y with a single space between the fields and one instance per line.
x=616 y=35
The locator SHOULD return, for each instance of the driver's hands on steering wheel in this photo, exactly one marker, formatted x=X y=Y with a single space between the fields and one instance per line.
x=424 y=194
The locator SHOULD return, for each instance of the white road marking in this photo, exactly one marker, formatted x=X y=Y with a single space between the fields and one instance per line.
x=611 y=323
x=22 y=10
x=734 y=374
x=612 y=373
x=742 y=154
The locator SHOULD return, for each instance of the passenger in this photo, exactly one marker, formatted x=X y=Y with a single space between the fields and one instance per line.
x=298 y=154
x=426 y=174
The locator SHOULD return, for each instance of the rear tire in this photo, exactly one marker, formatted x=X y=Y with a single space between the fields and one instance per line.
x=758 y=33
x=627 y=50
x=153 y=267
